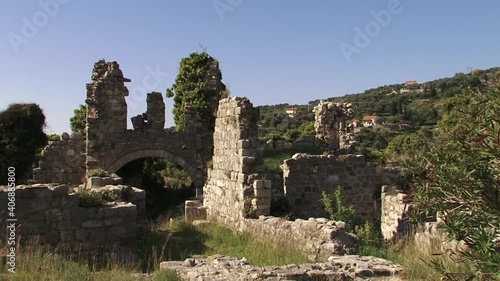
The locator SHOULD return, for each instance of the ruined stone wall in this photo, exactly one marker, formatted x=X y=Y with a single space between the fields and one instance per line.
x=233 y=190
x=50 y=214
x=306 y=176
x=62 y=161
x=330 y=123
x=155 y=110
x=395 y=210
x=110 y=145
x=106 y=109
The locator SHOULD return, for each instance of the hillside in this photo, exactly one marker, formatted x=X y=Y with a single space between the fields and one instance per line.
x=416 y=105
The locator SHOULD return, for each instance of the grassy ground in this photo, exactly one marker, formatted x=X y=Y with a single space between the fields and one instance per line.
x=170 y=241
x=184 y=241
x=178 y=240
x=416 y=258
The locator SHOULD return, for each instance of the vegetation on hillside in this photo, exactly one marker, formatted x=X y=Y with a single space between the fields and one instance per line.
x=21 y=137
x=199 y=83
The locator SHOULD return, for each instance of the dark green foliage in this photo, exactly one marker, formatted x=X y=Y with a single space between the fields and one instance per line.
x=89 y=198
x=336 y=208
x=79 y=120
x=456 y=174
x=195 y=85
x=21 y=136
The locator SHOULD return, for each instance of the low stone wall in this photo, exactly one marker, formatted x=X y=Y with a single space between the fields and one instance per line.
x=49 y=214
x=307 y=176
x=318 y=237
x=395 y=210
x=62 y=161
x=233 y=269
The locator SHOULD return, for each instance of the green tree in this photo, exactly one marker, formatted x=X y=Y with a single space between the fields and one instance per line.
x=456 y=175
x=21 y=135
x=79 y=119
x=199 y=83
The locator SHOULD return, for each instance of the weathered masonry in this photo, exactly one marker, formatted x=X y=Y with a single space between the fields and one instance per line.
x=109 y=145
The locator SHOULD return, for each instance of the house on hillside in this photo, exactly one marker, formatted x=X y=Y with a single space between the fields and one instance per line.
x=356 y=123
x=412 y=86
x=371 y=120
x=291 y=111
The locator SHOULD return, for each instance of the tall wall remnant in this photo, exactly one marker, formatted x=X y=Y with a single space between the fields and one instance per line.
x=330 y=122
x=155 y=110
x=234 y=195
x=106 y=109
x=233 y=190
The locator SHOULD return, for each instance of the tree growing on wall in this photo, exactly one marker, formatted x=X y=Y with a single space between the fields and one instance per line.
x=456 y=175
x=79 y=119
x=199 y=83
x=21 y=135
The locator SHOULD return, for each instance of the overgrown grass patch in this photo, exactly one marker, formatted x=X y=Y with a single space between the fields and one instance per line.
x=186 y=240
x=416 y=258
x=36 y=263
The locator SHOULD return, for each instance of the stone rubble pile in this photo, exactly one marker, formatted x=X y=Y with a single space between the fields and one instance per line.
x=221 y=268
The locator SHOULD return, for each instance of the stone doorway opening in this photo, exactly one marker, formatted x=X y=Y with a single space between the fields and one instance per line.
x=167 y=184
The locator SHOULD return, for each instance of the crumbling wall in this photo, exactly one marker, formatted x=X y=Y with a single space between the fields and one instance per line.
x=307 y=176
x=233 y=190
x=106 y=109
x=330 y=123
x=62 y=161
x=395 y=211
x=50 y=214
x=155 y=110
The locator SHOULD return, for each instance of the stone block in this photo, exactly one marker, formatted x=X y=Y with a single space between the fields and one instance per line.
x=92 y=223
x=93 y=182
x=114 y=221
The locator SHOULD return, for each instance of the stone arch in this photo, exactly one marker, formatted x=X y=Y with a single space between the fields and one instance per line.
x=123 y=159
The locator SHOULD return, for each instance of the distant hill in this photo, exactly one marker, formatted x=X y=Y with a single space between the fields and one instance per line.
x=419 y=104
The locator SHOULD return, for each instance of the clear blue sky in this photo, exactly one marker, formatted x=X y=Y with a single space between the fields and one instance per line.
x=271 y=51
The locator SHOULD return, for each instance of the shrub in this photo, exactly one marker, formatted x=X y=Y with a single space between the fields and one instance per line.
x=90 y=198
x=96 y=173
x=456 y=175
x=336 y=209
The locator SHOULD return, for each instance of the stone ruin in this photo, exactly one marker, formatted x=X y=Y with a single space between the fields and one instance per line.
x=331 y=124
x=341 y=268
x=154 y=117
x=109 y=145
x=234 y=193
